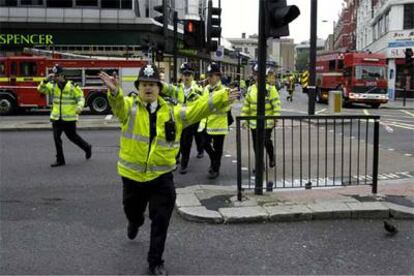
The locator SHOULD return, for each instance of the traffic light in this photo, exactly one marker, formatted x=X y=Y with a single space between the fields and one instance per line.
x=193 y=34
x=278 y=17
x=408 y=56
x=163 y=17
x=213 y=26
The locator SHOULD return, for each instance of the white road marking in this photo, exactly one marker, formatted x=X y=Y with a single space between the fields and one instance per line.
x=409 y=113
x=320 y=111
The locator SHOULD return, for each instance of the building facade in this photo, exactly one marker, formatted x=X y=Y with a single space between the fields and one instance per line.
x=387 y=26
x=280 y=52
x=345 y=29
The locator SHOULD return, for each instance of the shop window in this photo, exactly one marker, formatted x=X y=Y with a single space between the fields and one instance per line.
x=28 y=69
x=8 y=3
x=59 y=4
x=87 y=3
x=408 y=16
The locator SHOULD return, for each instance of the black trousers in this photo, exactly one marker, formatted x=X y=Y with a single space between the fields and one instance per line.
x=268 y=142
x=213 y=145
x=160 y=195
x=187 y=141
x=69 y=127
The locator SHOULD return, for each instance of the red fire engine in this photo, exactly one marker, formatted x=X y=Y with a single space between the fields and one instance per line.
x=360 y=75
x=20 y=76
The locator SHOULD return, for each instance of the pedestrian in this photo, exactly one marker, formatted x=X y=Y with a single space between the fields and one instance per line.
x=151 y=131
x=291 y=87
x=68 y=102
x=272 y=108
x=216 y=126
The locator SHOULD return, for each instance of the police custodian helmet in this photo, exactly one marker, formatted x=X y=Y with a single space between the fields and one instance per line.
x=57 y=69
x=213 y=68
x=148 y=73
x=186 y=68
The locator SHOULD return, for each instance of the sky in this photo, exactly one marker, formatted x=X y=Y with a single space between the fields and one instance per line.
x=240 y=16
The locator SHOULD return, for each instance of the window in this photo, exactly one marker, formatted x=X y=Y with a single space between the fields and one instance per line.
x=13 y=69
x=91 y=75
x=8 y=3
x=332 y=64
x=31 y=2
x=408 y=16
x=369 y=72
x=87 y=3
x=28 y=69
x=59 y=4
x=126 y=4
x=110 y=4
x=2 y=69
x=340 y=64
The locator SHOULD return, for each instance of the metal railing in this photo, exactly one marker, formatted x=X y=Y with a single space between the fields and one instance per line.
x=312 y=151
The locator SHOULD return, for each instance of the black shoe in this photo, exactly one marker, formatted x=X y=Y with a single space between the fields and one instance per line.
x=183 y=170
x=88 y=152
x=132 y=230
x=272 y=163
x=57 y=164
x=157 y=270
x=200 y=155
x=213 y=175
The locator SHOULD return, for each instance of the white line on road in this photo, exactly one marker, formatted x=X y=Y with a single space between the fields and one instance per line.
x=320 y=111
x=408 y=154
x=409 y=113
x=401 y=126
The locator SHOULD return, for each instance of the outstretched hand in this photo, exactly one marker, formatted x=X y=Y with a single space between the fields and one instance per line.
x=110 y=81
x=234 y=94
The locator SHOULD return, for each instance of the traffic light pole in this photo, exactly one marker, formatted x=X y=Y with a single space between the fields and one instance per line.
x=175 y=45
x=312 y=58
x=261 y=100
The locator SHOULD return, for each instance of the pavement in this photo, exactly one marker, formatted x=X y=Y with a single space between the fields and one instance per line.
x=219 y=204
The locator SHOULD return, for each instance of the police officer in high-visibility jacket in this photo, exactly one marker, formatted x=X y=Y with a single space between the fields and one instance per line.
x=304 y=80
x=216 y=126
x=272 y=108
x=291 y=87
x=150 y=139
x=68 y=103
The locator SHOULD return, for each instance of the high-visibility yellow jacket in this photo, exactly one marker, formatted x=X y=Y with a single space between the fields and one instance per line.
x=216 y=123
x=178 y=93
x=141 y=160
x=272 y=104
x=67 y=104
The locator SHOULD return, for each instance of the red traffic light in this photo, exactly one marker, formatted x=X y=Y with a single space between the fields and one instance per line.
x=190 y=27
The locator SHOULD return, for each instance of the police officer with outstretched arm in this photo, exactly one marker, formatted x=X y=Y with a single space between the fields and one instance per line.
x=68 y=103
x=151 y=131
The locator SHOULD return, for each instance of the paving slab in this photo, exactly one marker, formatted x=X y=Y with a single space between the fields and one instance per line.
x=200 y=214
x=400 y=212
x=187 y=200
x=288 y=212
x=244 y=214
x=369 y=210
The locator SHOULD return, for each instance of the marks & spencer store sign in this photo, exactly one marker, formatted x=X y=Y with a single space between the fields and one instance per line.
x=26 y=39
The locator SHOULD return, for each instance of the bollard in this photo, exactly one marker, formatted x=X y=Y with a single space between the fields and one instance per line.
x=335 y=101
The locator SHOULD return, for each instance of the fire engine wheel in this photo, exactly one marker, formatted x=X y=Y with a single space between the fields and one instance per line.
x=7 y=105
x=99 y=104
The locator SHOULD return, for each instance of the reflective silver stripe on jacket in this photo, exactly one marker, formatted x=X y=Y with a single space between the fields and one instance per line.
x=210 y=103
x=217 y=129
x=145 y=139
x=132 y=116
x=183 y=113
x=139 y=168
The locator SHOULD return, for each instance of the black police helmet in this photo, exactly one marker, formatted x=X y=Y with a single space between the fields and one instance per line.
x=148 y=73
x=255 y=68
x=186 y=68
x=213 y=68
x=57 y=69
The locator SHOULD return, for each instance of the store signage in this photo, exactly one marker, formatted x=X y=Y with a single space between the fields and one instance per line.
x=26 y=39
